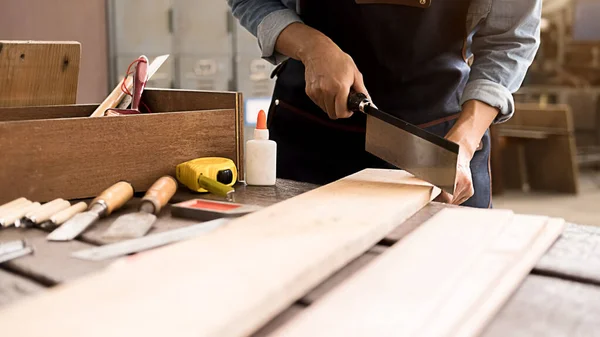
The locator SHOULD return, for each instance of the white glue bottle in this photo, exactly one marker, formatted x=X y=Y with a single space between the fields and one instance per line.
x=261 y=155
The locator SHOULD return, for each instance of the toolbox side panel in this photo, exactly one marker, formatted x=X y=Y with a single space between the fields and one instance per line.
x=80 y=157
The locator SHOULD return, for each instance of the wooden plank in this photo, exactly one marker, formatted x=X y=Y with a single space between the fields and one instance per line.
x=281 y=319
x=548 y=307
x=38 y=73
x=51 y=262
x=168 y=100
x=80 y=157
x=415 y=221
x=414 y=289
x=542 y=306
x=14 y=288
x=46 y=112
x=235 y=279
x=340 y=276
x=575 y=255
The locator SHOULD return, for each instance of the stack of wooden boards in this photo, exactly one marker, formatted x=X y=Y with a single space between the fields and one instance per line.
x=446 y=278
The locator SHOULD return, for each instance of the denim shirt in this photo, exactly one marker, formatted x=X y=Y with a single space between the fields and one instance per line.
x=504 y=38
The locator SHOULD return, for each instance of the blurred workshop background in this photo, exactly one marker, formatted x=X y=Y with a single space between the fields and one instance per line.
x=546 y=160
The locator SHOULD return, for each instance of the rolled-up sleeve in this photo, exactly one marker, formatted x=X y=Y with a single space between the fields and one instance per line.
x=265 y=19
x=504 y=44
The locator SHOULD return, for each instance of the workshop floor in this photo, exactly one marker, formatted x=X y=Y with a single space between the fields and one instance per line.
x=583 y=208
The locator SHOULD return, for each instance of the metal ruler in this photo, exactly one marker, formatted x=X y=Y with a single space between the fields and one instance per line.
x=147 y=242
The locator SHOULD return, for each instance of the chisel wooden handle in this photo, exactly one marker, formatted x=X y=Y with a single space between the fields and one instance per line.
x=47 y=210
x=18 y=213
x=161 y=192
x=114 y=197
x=64 y=215
x=13 y=203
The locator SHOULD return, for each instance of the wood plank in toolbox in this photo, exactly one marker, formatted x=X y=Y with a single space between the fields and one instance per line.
x=14 y=287
x=50 y=262
x=244 y=274
x=38 y=72
x=48 y=112
x=549 y=307
x=137 y=148
x=168 y=100
x=452 y=272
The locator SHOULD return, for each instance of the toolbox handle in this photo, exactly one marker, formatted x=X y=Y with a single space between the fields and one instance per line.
x=114 y=197
x=161 y=192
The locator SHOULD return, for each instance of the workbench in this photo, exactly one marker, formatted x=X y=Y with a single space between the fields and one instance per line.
x=561 y=296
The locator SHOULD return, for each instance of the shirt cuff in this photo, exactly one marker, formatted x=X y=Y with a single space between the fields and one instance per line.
x=269 y=29
x=493 y=94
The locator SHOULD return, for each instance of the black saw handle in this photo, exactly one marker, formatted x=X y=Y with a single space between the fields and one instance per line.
x=355 y=99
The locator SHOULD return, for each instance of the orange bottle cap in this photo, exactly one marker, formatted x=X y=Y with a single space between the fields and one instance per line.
x=261 y=121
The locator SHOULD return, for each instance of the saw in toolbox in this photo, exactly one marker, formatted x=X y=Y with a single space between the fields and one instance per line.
x=406 y=146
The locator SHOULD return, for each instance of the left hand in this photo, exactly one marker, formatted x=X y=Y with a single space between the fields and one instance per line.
x=463 y=185
x=467 y=132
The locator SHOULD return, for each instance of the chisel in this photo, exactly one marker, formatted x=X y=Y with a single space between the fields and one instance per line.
x=111 y=199
x=148 y=242
x=9 y=207
x=406 y=146
x=17 y=213
x=42 y=213
x=64 y=215
x=134 y=225
x=13 y=249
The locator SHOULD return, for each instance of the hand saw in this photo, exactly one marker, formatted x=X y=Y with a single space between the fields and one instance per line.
x=406 y=146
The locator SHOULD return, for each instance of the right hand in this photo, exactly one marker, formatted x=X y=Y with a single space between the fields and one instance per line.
x=330 y=74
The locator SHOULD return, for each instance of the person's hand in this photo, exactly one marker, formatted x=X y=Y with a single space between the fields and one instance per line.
x=330 y=74
x=467 y=132
x=463 y=186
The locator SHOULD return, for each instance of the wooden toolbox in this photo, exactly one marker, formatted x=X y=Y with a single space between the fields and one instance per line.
x=50 y=152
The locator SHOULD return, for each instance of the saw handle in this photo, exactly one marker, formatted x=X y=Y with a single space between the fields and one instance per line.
x=114 y=197
x=160 y=193
x=356 y=100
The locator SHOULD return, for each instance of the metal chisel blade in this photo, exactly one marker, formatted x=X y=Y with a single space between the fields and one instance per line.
x=130 y=226
x=423 y=154
x=15 y=254
x=123 y=248
x=72 y=228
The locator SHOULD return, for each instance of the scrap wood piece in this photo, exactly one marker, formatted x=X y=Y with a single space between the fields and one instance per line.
x=235 y=279
x=447 y=278
x=38 y=72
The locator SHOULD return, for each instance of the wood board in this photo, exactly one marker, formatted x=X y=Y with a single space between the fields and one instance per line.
x=235 y=279
x=38 y=73
x=456 y=270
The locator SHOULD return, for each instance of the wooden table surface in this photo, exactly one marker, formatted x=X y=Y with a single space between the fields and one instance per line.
x=561 y=296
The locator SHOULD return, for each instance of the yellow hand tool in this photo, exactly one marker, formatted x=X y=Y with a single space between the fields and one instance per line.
x=196 y=175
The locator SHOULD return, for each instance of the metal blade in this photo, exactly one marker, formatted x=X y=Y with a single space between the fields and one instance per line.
x=147 y=242
x=15 y=254
x=72 y=228
x=130 y=226
x=423 y=154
